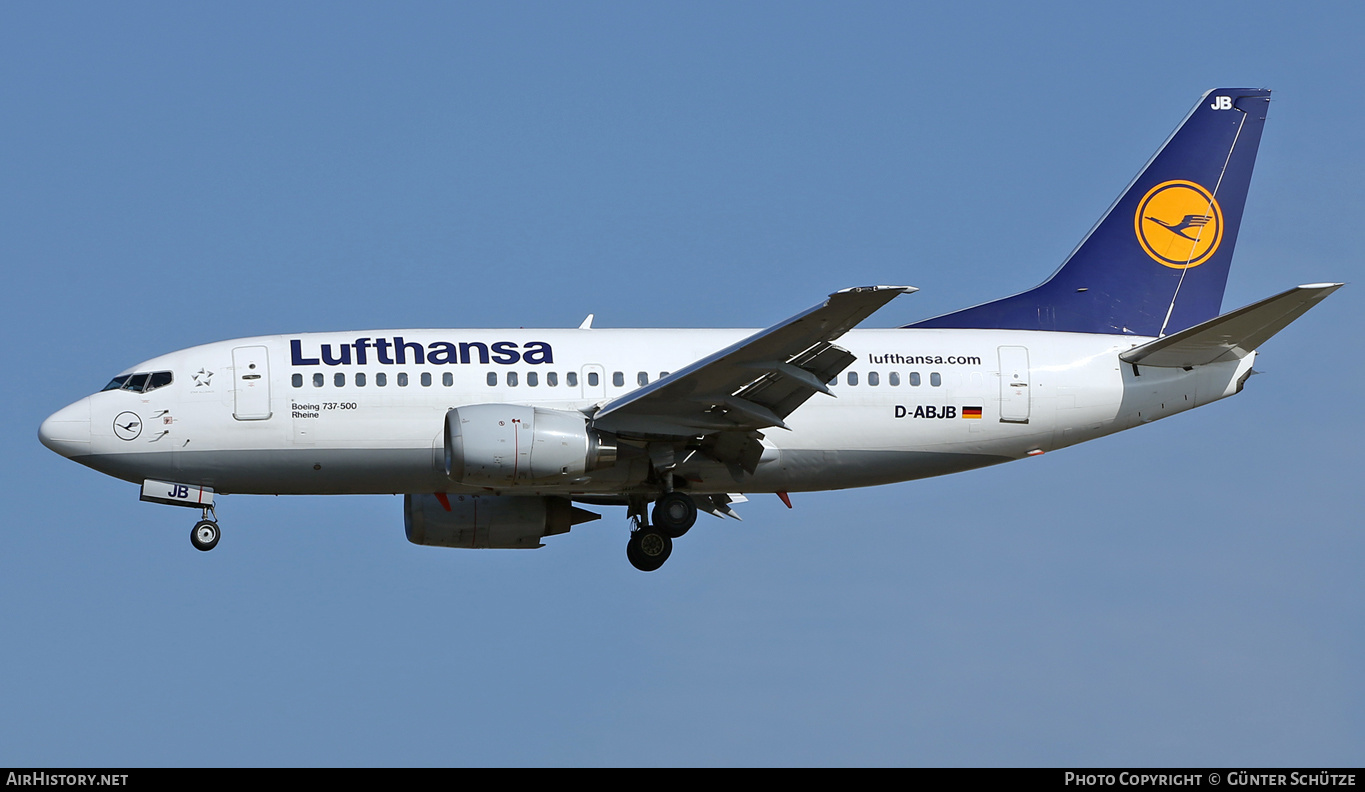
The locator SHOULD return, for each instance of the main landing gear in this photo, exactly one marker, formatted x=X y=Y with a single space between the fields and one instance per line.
x=648 y=548
x=650 y=545
x=675 y=513
x=205 y=533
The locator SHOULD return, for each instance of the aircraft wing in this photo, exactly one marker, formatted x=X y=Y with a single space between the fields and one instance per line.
x=751 y=385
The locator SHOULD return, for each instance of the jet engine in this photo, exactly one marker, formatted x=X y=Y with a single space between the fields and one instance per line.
x=508 y=445
x=481 y=521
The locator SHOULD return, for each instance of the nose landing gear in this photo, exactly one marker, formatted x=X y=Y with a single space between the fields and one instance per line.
x=205 y=534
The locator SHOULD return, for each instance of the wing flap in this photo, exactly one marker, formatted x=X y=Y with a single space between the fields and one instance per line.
x=754 y=384
x=786 y=385
x=719 y=505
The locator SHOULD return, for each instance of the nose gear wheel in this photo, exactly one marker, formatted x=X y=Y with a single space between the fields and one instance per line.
x=205 y=535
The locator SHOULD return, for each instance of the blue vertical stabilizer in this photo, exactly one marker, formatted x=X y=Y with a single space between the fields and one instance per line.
x=1158 y=260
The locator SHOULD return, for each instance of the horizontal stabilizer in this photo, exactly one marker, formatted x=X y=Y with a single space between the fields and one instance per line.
x=1233 y=335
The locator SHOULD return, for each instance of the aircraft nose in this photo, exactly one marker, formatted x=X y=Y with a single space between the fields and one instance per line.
x=67 y=431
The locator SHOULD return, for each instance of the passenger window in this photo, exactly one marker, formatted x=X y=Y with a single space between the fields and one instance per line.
x=492 y=379
x=893 y=379
x=426 y=379
x=360 y=379
x=873 y=378
x=663 y=374
x=532 y=379
x=551 y=379
x=381 y=379
x=297 y=380
x=914 y=379
x=618 y=379
x=318 y=379
x=447 y=379
x=512 y=379
x=592 y=379
x=852 y=378
x=403 y=380
x=339 y=380
x=642 y=378
x=935 y=380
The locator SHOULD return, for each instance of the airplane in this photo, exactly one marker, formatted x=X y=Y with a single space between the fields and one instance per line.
x=499 y=438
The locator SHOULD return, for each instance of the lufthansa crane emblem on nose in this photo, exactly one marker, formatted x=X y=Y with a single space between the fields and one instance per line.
x=127 y=425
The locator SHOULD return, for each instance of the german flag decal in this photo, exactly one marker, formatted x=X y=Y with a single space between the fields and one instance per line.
x=971 y=412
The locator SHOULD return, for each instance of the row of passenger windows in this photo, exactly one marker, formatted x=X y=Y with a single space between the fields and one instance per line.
x=380 y=380
x=513 y=379
x=592 y=378
x=893 y=379
x=143 y=382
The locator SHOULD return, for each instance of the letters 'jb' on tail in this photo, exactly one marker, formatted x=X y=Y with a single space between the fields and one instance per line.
x=1158 y=260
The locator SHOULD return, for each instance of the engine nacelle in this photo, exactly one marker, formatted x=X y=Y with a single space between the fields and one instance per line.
x=508 y=445
x=480 y=521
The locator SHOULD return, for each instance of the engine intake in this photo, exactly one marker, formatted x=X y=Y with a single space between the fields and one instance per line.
x=508 y=445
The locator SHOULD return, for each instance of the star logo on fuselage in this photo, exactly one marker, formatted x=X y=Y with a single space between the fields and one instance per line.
x=202 y=378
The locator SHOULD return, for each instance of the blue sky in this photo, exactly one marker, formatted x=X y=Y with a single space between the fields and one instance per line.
x=1188 y=593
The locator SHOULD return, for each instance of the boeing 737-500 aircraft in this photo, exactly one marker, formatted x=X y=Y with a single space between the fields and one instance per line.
x=496 y=437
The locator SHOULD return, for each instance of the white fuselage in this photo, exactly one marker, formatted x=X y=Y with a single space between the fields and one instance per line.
x=364 y=412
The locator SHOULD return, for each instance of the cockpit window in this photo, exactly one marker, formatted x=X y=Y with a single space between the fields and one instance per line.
x=141 y=382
